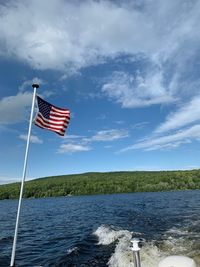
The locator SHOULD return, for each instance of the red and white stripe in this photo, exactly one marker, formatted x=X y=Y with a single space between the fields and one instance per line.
x=57 y=122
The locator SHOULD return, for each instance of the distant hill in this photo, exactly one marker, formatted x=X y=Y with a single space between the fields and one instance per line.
x=104 y=183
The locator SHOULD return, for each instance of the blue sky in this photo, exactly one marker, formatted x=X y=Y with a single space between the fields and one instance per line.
x=127 y=70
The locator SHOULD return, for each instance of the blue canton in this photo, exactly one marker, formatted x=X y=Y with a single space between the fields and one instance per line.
x=44 y=107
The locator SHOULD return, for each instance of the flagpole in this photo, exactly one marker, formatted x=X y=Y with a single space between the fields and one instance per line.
x=12 y=262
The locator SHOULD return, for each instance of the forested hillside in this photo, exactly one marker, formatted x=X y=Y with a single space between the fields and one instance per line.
x=104 y=183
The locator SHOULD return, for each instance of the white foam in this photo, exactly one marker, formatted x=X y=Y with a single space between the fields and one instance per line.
x=176 y=231
x=181 y=241
x=123 y=256
x=152 y=252
x=107 y=234
x=70 y=250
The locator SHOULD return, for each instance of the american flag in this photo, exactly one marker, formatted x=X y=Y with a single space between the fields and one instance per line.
x=51 y=117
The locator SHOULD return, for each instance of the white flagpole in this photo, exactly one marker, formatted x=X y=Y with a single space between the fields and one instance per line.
x=12 y=262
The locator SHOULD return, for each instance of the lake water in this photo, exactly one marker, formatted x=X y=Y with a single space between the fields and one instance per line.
x=96 y=230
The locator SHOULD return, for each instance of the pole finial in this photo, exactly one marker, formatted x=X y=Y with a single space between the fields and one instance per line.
x=35 y=85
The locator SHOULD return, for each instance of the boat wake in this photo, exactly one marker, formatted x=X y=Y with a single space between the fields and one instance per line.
x=174 y=241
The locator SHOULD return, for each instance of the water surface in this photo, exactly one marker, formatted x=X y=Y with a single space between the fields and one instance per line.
x=96 y=230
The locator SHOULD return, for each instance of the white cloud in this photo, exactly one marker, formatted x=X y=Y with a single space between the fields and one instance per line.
x=136 y=91
x=14 y=108
x=188 y=113
x=28 y=83
x=72 y=136
x=72 y=148
x=69 y=35
x=109 y=135
x=81 y=33
x=140 y=125
x=34 y=139
x=80 y=143
x=168 y=141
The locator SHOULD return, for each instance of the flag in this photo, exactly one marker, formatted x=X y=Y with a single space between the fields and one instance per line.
x=51 y=117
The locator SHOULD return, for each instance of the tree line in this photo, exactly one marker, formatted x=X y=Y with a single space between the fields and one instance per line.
x=104 y=183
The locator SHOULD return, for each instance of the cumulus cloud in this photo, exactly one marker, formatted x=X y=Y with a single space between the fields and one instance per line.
x=70 y=35
x=34 y=139
x=90 y=32
x=14 y=108
x=83 y=33
x=86 y=32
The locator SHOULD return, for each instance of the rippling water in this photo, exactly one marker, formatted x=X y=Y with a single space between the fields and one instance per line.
x=96 y=230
